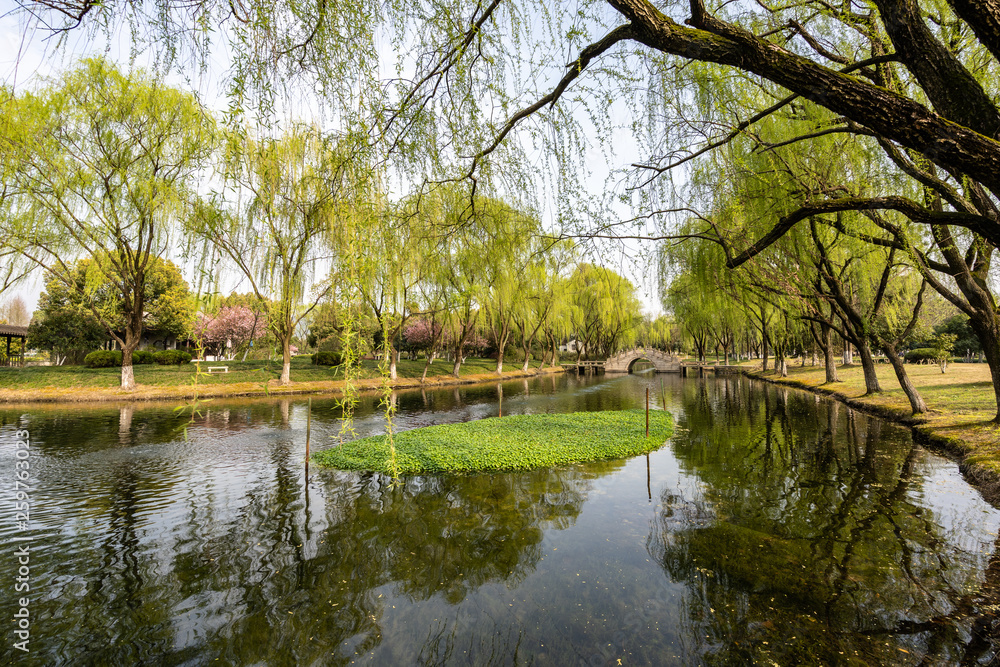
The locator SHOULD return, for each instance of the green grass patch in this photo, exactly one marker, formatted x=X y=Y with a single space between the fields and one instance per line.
x=517 y=442
x=253 y=370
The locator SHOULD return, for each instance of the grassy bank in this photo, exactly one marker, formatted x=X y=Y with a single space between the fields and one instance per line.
x=245 y=378
x=518 y=442
x=960 y=409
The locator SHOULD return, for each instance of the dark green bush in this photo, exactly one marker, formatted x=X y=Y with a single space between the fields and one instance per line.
x=921 y=354
x=140 y=357
x=172 y=357
x=327 y=358
x=103 y=359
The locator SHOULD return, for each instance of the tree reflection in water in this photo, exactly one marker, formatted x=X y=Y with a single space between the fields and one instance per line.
x=782 y=528
x=810 y=542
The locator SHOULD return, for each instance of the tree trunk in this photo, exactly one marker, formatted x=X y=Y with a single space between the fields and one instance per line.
x=868 y=365
x=917 y=404
x=128 y=376
x=427 y=365
x=848 y=354
x=986 y=327
x=763 y=351
x=780 y=368
x=458 y=360
x=286 y=360
x=132 y=338
x=393 y=360
x=828 y=359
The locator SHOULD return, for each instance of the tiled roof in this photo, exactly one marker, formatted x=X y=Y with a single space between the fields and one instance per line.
x=11 y=330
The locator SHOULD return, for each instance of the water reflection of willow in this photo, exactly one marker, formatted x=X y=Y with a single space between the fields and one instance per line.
x=806 y=528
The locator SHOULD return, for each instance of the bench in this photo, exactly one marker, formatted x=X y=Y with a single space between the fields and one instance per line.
x=221 y=369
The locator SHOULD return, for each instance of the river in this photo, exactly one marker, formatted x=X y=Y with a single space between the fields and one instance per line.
x=775 y=527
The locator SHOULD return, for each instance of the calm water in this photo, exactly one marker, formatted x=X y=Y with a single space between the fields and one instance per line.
x=774 y=528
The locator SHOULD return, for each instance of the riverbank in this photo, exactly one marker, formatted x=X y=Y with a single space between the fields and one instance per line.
x=960 y=409
x=162 y=383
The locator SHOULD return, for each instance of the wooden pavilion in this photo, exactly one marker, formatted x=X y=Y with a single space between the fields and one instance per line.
x=10 y=332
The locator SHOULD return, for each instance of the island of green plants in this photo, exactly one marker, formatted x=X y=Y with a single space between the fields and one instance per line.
x=517 y=442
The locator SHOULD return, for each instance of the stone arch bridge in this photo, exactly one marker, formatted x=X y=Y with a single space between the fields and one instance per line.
x=663 y=362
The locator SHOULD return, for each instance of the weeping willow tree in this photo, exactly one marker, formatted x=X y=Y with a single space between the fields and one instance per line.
x=501 y=92
x=275 y=222
x=507 y=238
x=543 y=286
x=399 y=257
x=104 y=166
x=606 y=311
x=837 y=270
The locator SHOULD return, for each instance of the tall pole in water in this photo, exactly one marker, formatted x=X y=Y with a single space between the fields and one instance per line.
x=647 y=412
x=309 y=410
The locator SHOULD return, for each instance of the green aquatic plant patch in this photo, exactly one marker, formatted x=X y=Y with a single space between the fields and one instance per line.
x=517 y=442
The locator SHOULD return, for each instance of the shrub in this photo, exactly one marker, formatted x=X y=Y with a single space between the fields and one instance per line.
x=143 y=357
x=172 y=357
x=327 y=358
x=921 y=354
x=103 y=359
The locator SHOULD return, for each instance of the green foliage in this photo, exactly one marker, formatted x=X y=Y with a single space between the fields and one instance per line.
x=140 y=357
x=16 y=346
x=327 y=358
x=921 y=354
x=966 y=340
x=943 y=345
x=606 y=313
x=172 y=357
x=285 y=198
x=65 y=331
x=105 y=162
x=168 y=306
x=519 y=442
x=103 y=359
x=111 y=358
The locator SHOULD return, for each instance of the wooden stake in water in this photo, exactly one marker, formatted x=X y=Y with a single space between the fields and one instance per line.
x=647 y=412
x=649 y=486
x=309 y=411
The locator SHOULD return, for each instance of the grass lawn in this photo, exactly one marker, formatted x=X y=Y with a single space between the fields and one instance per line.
x=960 y=406
x=239 y=371
x=78 y=383
x=518 y=442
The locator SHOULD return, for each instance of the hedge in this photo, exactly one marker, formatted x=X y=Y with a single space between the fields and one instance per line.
x=921 y=354
x=327 y=358
x=172 y=357
x=140 y=357
x=103 y=359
